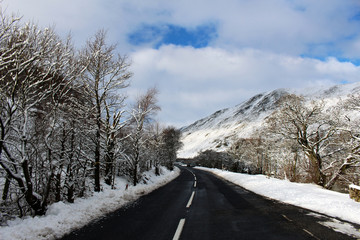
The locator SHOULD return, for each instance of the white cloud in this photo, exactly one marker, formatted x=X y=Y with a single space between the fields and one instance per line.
x=282 y=26
x=197 y=82
x=81 y=17
x=258 y=46
x=352 y=48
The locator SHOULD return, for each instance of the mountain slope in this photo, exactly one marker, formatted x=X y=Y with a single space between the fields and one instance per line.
x=221 y=128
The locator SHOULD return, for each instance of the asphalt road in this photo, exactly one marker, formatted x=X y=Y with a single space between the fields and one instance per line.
x=198 y=205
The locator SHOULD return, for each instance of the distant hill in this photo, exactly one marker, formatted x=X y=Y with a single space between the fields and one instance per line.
x=220 y=129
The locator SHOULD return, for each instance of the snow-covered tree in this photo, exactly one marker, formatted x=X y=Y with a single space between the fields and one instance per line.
x=154 y=152
x=170 y=144
x=35 y=75
x=145 y=107
x=247 y=155
x=106 y=73
x=114 y=137
x=314 y=130
x=62 y=119
x=351 y=138
x=213 y=159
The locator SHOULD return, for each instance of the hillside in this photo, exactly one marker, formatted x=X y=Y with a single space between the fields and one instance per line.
x=220 y=129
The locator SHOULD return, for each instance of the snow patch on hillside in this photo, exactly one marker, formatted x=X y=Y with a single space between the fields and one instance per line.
x=220 y=129
x=62 y=218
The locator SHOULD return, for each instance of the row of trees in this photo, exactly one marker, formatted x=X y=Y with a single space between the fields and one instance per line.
x=64 y=125
x=305 y=141
x=301 y=141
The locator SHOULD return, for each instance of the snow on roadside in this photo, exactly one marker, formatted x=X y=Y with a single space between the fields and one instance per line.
x=309 y=196
x=62 y=218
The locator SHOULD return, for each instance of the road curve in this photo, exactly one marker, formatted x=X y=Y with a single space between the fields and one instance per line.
x=198 y=205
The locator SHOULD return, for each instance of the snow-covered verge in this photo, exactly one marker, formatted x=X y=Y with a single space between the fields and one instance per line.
x=62 y=218
x=309 y=196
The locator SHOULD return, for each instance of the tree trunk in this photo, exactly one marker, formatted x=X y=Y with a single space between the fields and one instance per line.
x=31 y=198
x=58 y=174
x=294 y=170
x=69 y=171
x=157 y=170
x=109 y=165
x=135 y=179
x=70 y=194
x=315 y=169
x=6 y=188
x=58 y=187
x=108 y=172
x=98 y=133
x=47 y=192
x=97 y=160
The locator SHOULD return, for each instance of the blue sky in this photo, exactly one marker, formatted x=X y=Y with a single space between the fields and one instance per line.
x=205 y=55
x=165 y=34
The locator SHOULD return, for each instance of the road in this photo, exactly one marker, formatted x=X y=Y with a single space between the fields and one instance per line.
x=198 y=205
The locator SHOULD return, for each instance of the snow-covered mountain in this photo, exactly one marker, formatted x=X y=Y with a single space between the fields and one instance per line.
x=221 y=128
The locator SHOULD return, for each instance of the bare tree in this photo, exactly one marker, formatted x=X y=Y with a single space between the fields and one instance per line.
x=145 y=107
x=250 y=154
x=105 y=75
x=309 y=126
x=31 y=84
x=350 y=137
x=154 y=153
x=113 y=126
x=170 y=145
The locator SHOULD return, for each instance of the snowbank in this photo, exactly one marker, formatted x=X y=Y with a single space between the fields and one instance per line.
x=309 y=196
x=62 y=218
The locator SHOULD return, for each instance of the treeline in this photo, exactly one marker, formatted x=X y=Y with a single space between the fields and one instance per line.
x=301 y=141
x=64 y=126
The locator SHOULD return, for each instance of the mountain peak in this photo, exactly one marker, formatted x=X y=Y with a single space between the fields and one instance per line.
x=220 y=129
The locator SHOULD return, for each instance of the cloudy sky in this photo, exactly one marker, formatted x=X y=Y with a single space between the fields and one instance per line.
x=205 y=55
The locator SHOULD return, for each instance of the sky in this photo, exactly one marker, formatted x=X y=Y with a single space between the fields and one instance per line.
x=206 y=55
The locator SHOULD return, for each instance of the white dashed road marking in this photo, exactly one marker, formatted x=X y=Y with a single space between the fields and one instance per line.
x=179 y=229
x=190 y=200
x=182 y=221
x=310 y=234
x=284 y=216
